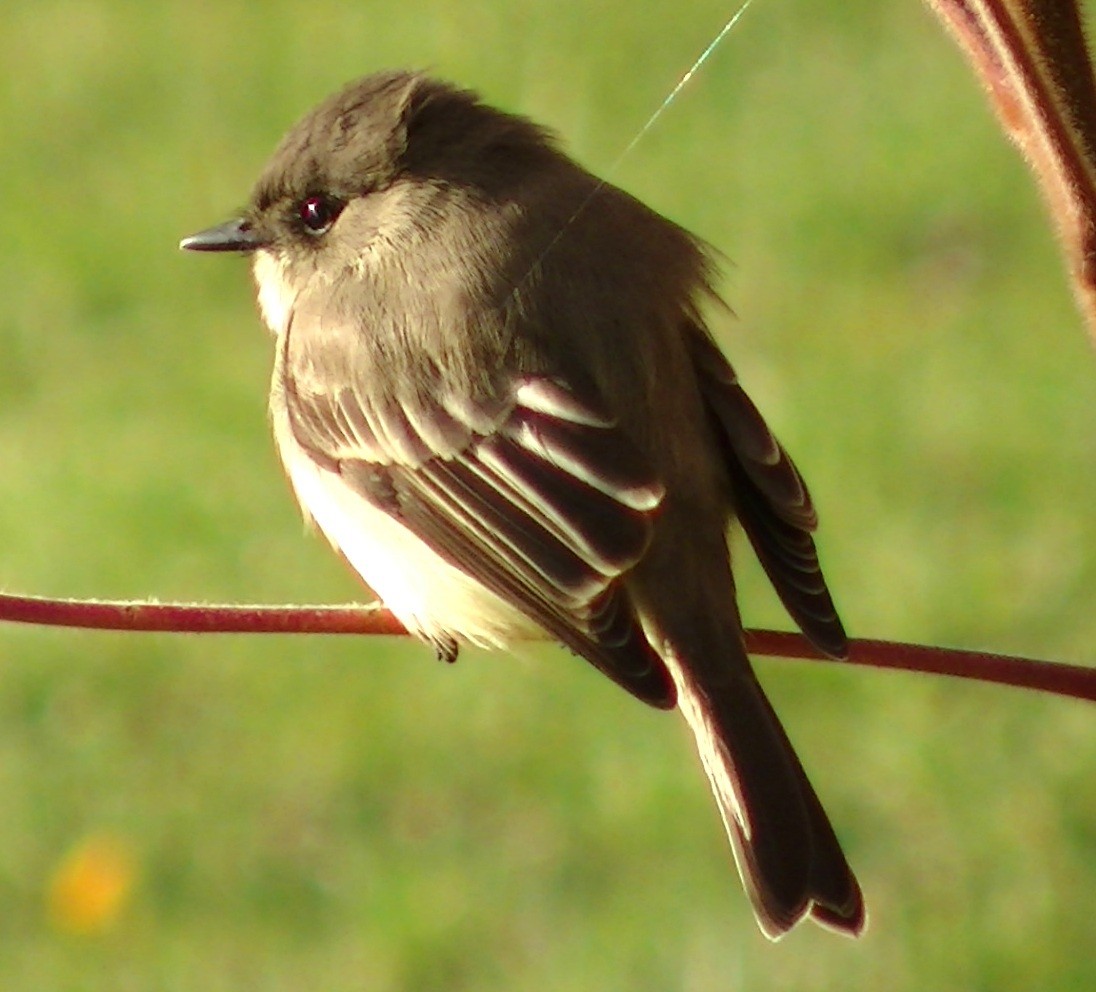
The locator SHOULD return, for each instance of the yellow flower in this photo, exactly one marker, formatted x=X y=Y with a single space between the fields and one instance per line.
x=92 y=885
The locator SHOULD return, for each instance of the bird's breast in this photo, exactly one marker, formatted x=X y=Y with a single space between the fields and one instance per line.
x=275 y=293
x=431 y=597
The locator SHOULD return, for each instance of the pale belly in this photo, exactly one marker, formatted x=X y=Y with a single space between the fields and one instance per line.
x=428 y=595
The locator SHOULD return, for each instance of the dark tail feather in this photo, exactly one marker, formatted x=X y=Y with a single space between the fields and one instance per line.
x=787 y=854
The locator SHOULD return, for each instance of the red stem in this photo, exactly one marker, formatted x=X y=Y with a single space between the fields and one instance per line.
x=1032 y=58
x=1074 y=681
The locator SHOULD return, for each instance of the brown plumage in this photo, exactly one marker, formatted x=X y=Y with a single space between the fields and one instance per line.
x=495 y=395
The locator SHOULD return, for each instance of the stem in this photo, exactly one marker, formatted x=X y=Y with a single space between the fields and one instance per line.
x=1031 y=57
x=1073 y=681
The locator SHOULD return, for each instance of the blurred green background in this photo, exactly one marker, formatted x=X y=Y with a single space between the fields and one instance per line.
x=220 y=813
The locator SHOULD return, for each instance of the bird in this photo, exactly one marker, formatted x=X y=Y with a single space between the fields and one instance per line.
x=495 y=393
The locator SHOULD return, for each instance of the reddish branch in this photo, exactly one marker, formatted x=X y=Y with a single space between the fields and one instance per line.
x=1066 y=680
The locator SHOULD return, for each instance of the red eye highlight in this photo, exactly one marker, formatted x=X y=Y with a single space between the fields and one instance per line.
x=318 y=213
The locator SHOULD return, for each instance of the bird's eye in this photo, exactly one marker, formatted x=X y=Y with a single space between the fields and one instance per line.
x=318 y=213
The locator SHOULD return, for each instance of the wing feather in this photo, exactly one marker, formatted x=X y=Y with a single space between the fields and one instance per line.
x=537 y=496
x=771 y=499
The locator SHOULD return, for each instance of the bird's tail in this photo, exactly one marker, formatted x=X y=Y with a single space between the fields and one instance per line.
x=787 y=854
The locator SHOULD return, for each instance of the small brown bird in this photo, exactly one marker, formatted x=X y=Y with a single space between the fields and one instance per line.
x=494 y=393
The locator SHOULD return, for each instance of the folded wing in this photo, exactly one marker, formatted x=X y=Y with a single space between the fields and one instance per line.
x=535 y=494
x=771 y=500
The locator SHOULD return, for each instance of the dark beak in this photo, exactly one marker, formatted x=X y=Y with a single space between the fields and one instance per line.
x=232 y=235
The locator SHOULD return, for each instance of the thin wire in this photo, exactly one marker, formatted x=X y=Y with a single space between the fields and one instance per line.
x=630 y=147
x=682 y=83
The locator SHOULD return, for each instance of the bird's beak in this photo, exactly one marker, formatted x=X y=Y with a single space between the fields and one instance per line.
x=233 y=235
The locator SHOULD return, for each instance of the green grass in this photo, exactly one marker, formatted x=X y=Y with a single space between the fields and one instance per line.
x=335 y=814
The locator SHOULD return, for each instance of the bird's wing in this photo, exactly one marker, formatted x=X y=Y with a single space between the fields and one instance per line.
x=534 y=493
x=771 y=499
